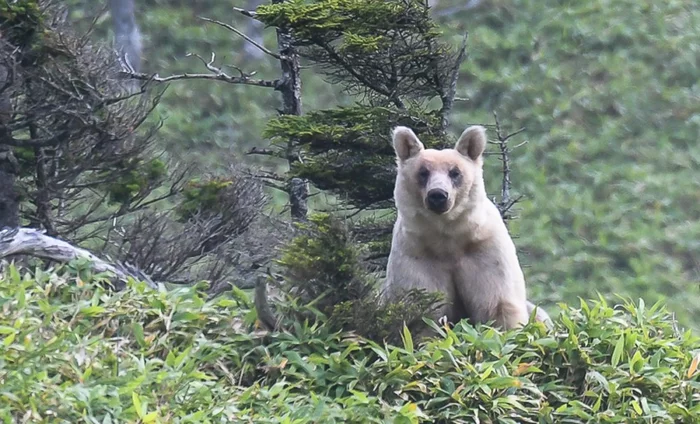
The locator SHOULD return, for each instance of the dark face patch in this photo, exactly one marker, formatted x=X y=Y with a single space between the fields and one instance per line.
x=423 y=176
x=455 y=174
x=456 y=177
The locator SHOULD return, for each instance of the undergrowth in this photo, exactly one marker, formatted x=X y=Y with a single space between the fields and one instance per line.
x=72 y=352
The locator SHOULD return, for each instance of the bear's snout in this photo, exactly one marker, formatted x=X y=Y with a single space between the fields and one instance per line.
x=436 y=200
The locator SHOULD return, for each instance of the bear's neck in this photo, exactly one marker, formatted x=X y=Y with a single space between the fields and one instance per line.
x=471 y=223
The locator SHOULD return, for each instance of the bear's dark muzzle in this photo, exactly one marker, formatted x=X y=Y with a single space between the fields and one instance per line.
x=437 y=200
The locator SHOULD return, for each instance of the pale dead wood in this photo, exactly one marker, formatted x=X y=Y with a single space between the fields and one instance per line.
x=31 y=242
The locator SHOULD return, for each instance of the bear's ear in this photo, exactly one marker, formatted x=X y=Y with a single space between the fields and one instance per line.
x=406 y=143
x=472 y=142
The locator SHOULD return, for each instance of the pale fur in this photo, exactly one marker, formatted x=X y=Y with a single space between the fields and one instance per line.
x=465 y=253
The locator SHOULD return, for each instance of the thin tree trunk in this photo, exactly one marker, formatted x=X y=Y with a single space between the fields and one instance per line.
x=290 y=86
x=9 y=200
x=43 y=204
x=126 y=31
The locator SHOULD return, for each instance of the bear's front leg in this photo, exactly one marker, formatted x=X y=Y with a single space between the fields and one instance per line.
x=509 y=315
x=406 y=272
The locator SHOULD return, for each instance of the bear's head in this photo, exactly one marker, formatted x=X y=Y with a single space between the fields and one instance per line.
x=438 y=181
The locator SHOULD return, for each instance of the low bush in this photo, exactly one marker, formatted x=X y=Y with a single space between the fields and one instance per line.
x=322 y=269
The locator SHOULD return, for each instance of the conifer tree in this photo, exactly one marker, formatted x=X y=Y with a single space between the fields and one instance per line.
x=390 y=56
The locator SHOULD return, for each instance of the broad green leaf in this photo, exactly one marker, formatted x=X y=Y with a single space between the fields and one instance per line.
x=617 y=353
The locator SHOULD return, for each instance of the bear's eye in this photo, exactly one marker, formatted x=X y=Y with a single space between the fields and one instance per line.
x=423 y=175
x=454 y=173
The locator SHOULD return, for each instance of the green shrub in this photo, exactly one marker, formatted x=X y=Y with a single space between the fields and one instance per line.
x=323 y=270
x=71 y=352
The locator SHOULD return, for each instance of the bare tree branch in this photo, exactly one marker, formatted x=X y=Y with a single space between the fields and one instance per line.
x=217 y=74
x=223 y=77
x=248 y=39
x=506 y=202
x=244 y=12
x=450 y=90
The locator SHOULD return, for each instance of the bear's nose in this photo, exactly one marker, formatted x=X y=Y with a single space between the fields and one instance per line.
x=437 y=200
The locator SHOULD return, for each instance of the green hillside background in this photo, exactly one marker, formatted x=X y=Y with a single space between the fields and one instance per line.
x=607 y=90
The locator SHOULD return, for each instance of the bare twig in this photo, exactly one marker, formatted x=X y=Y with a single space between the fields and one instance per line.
x=244 y=12
x=506 y=202
x=248 y=39
x=216 y=75
x=448 y=91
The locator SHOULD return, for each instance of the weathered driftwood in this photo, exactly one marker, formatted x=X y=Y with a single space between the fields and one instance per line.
x=32 y=242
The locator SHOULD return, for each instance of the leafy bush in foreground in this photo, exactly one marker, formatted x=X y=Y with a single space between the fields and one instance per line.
x=322 y=270
x=72 y=352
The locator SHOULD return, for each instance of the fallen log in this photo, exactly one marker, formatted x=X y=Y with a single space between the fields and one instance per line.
x=32 y=242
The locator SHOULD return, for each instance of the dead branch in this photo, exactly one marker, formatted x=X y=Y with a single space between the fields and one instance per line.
x=262 y=306
x=188 y=76
x=506 y=202
x=216 y=75
x=31 y=242
x=450 y=90
x=248 y=39
x=244 y=12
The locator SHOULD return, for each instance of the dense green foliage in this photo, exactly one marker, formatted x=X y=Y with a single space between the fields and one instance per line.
x=71 y=352
x=387 y=51
x=323 y=270
x=348 y=150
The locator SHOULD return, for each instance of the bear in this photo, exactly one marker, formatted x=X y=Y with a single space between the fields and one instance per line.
x=449 y=236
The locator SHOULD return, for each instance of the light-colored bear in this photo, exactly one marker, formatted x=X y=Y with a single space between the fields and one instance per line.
x=449 y=237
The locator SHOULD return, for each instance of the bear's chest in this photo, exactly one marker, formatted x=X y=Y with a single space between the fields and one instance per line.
x=467 y=265
x=478 y=268
x=456 y=253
